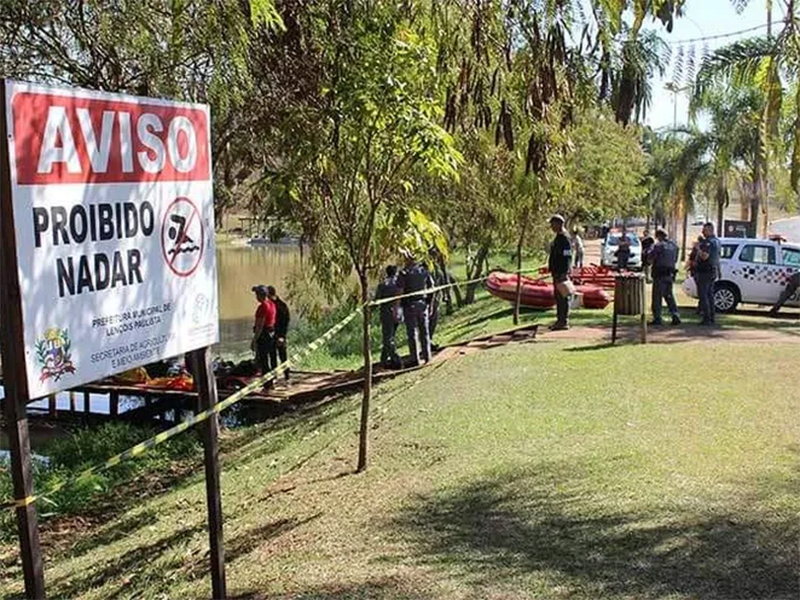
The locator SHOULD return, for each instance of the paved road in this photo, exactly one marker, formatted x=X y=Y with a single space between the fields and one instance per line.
x=788 y=228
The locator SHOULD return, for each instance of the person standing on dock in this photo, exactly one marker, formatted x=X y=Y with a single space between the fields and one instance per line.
x=390 y=318
x=263 y=343
x=282 y=318
x=416 y=278
x=559 y=265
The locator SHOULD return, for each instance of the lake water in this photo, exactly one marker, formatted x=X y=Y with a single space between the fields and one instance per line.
x=239 y=268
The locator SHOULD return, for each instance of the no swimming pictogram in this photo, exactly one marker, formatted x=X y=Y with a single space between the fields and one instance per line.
x=182 y=237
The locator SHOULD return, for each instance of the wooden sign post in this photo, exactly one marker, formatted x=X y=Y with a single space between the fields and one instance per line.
x=206 y=384
x=14 y=380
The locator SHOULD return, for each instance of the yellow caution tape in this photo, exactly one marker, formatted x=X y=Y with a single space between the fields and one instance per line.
x=167 y=434
x=438 y=288
x=254 y=385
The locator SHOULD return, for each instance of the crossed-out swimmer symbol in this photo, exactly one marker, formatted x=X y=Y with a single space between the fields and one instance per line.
x=181 y=219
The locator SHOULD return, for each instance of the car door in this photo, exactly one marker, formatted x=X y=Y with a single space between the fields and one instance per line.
x=760 y=277
x=790 y=260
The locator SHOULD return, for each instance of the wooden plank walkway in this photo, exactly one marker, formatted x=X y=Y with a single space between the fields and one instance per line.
x=311 y=386
x=303 y=386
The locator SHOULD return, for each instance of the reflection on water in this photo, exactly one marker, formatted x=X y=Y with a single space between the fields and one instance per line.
x=239 y=268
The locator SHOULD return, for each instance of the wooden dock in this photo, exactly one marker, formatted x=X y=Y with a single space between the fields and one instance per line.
x=166 y=405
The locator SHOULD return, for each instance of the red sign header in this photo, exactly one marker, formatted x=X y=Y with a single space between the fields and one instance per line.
x=62 y=139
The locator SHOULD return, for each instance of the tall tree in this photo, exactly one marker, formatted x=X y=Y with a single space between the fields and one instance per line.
x=349 y=179
x=770 y=63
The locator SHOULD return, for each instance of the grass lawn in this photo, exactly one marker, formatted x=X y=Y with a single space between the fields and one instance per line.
x=553 y=470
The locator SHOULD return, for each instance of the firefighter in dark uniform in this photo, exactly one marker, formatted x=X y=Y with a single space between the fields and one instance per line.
x=390 y=318
x=282 y=318
x=663 y=255
x=416 y=278
x=559 y=265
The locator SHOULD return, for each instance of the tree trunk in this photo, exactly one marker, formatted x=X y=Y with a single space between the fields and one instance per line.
x=685 y=233
x=474 y=272
x=755 y=201
x=456 y=290
x=366 y=347
x=722 y=200
x=518 y=296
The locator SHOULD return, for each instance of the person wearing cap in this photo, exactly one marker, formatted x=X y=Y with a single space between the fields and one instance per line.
x=707 y=273
x=413 y=279
x=559 y=264
x=663 y=255
x=263 y=343
x=282 y=318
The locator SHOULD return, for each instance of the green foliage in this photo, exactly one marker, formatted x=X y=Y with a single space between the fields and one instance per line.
x=85 y=448
x=604 y=174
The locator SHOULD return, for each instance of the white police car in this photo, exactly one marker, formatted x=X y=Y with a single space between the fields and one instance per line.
x=608 y=255
x=753 y=271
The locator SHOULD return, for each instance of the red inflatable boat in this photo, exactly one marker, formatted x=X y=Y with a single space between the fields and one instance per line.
x=538 y=293
x=590 y=275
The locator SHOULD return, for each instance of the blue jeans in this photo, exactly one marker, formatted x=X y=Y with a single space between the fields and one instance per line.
x=388 y=350
x=662 y=289
x=705 y=293
x=415 y=314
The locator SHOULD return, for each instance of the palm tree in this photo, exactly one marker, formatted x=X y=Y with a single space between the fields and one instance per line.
x=767 y=63
x=731 y=142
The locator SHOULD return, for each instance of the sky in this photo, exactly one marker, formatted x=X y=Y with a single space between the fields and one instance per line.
x=702 y=18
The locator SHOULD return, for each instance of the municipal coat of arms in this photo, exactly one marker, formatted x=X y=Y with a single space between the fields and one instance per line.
x=53 y=354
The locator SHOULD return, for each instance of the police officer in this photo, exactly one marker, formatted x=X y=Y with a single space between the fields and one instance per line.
x=792 y=284
x=559 y=264
x=647 y=242
x=390 y=318
x=706 y=272
x=416 y=278
x=663 y=255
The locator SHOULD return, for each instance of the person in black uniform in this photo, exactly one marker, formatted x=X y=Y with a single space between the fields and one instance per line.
x=390 y=318
x=792 y=285
x=663 y=255
x=559 y=265
x=416 y=278
x=647 y=242
x=282 y=318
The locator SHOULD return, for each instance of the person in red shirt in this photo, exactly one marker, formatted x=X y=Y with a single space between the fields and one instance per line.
x=263 y=343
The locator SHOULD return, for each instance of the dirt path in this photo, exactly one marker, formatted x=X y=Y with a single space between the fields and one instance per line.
x=673 y=335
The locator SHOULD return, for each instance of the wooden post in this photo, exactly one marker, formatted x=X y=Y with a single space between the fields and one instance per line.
x=113 y=403
x=614 y=323
x=644 y=309
x=206 y=384
x=87 y=405
x=363 y=437
x=14 y=375
x=52 y=406
x=72 y=403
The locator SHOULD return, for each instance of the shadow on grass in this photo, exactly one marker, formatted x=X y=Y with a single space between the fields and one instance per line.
x=135 y=567
x=379 y=589
x=543 y=522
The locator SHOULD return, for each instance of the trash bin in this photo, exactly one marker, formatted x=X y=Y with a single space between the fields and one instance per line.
x=629 y=294
x=629 y=300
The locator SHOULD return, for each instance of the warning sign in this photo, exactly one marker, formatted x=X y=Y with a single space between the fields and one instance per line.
x=182 y=237
x=113 y=215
